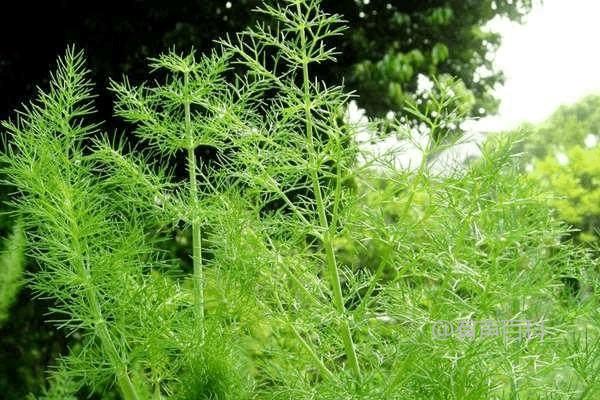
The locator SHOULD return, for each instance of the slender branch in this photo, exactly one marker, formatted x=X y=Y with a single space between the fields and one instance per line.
x=320 y=364
x=333 y=272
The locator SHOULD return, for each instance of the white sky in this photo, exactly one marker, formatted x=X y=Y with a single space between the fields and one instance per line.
x=552 y=59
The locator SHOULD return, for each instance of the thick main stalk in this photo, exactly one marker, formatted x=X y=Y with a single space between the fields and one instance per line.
x=198 y=273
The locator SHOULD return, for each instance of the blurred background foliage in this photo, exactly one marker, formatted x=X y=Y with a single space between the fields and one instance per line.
x=563 y=154
x=575 y=178
x=570 y=125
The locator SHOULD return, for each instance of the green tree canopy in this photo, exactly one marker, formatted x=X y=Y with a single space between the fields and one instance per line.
x=388 y=44
x=391 y=42
x=563 y=165
x=568 y=126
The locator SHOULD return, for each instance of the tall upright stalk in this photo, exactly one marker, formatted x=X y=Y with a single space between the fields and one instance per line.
x=198 y=273
x=82 y=268
x=332 y=268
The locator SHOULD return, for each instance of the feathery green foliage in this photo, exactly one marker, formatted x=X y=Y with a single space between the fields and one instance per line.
x=311 y=277
x=301 y=148
x=96 y=240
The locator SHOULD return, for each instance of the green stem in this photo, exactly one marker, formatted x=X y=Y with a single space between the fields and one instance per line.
x=198 y=274
x=157 y=395
x=126 y=386
x=322 y=367
x=332 y=268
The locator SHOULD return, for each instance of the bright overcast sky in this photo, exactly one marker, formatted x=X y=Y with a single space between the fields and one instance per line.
x=554 y=58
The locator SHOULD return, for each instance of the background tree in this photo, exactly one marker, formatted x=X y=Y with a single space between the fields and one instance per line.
x=389 y=44
x=562 y=153
x=568 y=126
x=575 y=179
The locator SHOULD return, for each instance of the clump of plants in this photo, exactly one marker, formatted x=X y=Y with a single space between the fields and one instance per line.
x=11 y=274
x=310 y=277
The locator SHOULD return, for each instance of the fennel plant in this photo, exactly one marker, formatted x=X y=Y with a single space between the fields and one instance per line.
x=311 y=278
